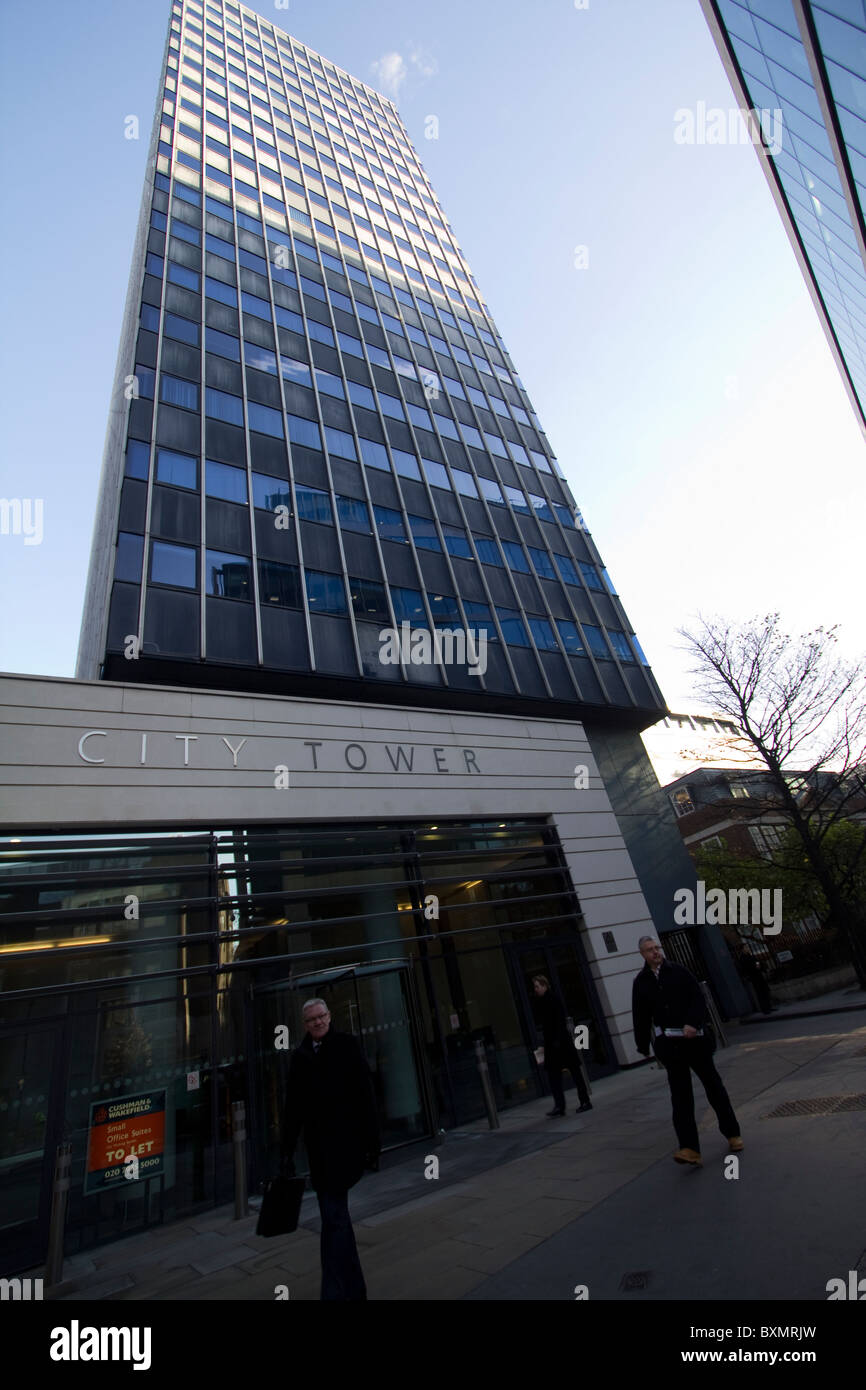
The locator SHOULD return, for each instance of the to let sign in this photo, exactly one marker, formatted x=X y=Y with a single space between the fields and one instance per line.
x=122 y=1128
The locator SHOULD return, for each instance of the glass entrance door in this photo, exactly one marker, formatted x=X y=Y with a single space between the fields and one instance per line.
x=374 y=1002
x=30 y=1058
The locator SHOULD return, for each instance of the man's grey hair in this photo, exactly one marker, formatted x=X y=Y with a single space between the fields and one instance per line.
x=642 y=939
x=314 y=1003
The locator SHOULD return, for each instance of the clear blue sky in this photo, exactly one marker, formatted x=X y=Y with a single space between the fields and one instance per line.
x=681 y=377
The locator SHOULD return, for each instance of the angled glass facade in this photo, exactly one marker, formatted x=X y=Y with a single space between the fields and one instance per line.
x=808 y=62
x=325 y=438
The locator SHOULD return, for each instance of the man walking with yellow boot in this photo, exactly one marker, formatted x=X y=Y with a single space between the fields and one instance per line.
x=669 y=1009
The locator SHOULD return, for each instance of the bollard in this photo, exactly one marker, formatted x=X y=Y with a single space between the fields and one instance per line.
x=714 y=1014
x=484 y=1073
x=59 y=1200
x=579 y=1050
x=239 y=1139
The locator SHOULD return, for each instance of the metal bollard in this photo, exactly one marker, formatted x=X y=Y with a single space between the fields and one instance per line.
x=484 y=1073
x=59 y=1200
x=239 y=1140
x=714 y=1014
x=580 y=1058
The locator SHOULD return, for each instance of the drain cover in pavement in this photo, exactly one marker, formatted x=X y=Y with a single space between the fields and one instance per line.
x=630 y=1283
x=818 y=1105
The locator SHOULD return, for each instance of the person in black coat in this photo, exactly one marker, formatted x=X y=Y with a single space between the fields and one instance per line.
x=330 y=1098
x=559 y=1051
x=752 y=971
x=667 y=1002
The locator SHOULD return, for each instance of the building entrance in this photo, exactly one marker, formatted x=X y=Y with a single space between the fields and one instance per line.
x=378 y=1004
x=562 y=965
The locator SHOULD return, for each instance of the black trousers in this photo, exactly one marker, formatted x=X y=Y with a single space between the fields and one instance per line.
x=680 y=1057
x=557 y=1059
x=342 y=1277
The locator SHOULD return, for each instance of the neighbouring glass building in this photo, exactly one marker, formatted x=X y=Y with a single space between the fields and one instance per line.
x=317 y=437
x=807 y=62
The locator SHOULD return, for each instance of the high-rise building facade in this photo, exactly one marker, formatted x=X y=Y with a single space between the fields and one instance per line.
x=802 y=67
x=318 y=433
x=317 y=446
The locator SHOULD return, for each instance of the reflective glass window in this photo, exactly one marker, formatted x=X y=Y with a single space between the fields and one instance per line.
x=313 y=504
x=223 y=344
x=389 y=524
x=488 y=551
x=512 y=627
x=567 y=572
x=137 y=459
x=620 y=644
x=353 y=514
x=464 y=482
x=597 y=644
x=223 y=406
x=542 y=632
x=178 y=469
x=225 y=482
x=368 y=599
x=305 y=432
x=279 y=584
x=375 y=455
x=408 y=606
x=128 y=557
x=326 y=593
x=570 y=635
x=424 y=532
x=340 y=443
x=480 y=618
x=515 y=557
x=406 y=464
x=269 y=492
x=173 y=564
x=490 y=490
x=542 y=562
x=228 y=576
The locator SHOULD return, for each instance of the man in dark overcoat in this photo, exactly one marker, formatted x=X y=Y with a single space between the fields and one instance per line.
x=670 y=1012
x=330 y=1099
x=559 y=1050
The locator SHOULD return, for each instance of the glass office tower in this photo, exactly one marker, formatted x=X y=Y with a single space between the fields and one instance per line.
x=316 y=438
x=317 y=434
x=805 y=65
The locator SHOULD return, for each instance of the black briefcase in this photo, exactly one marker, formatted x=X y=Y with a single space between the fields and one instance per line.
x=281 y=1206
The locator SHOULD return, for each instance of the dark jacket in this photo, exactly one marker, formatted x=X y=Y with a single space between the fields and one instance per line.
x=672 y=1001
x=330 y=1098
x=551 y=1019
x=751 y=969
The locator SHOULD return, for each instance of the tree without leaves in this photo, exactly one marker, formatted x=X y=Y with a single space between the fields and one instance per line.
x=803 y=712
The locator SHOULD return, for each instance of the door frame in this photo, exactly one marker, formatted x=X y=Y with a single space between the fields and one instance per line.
x=545 y=946
x=29 y=1251
x=334 y=975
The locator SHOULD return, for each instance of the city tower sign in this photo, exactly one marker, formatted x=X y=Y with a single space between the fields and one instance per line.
x=128 y=748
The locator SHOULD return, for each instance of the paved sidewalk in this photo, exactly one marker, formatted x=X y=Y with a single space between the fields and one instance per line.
x=511 y=1207
x=849 y=998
